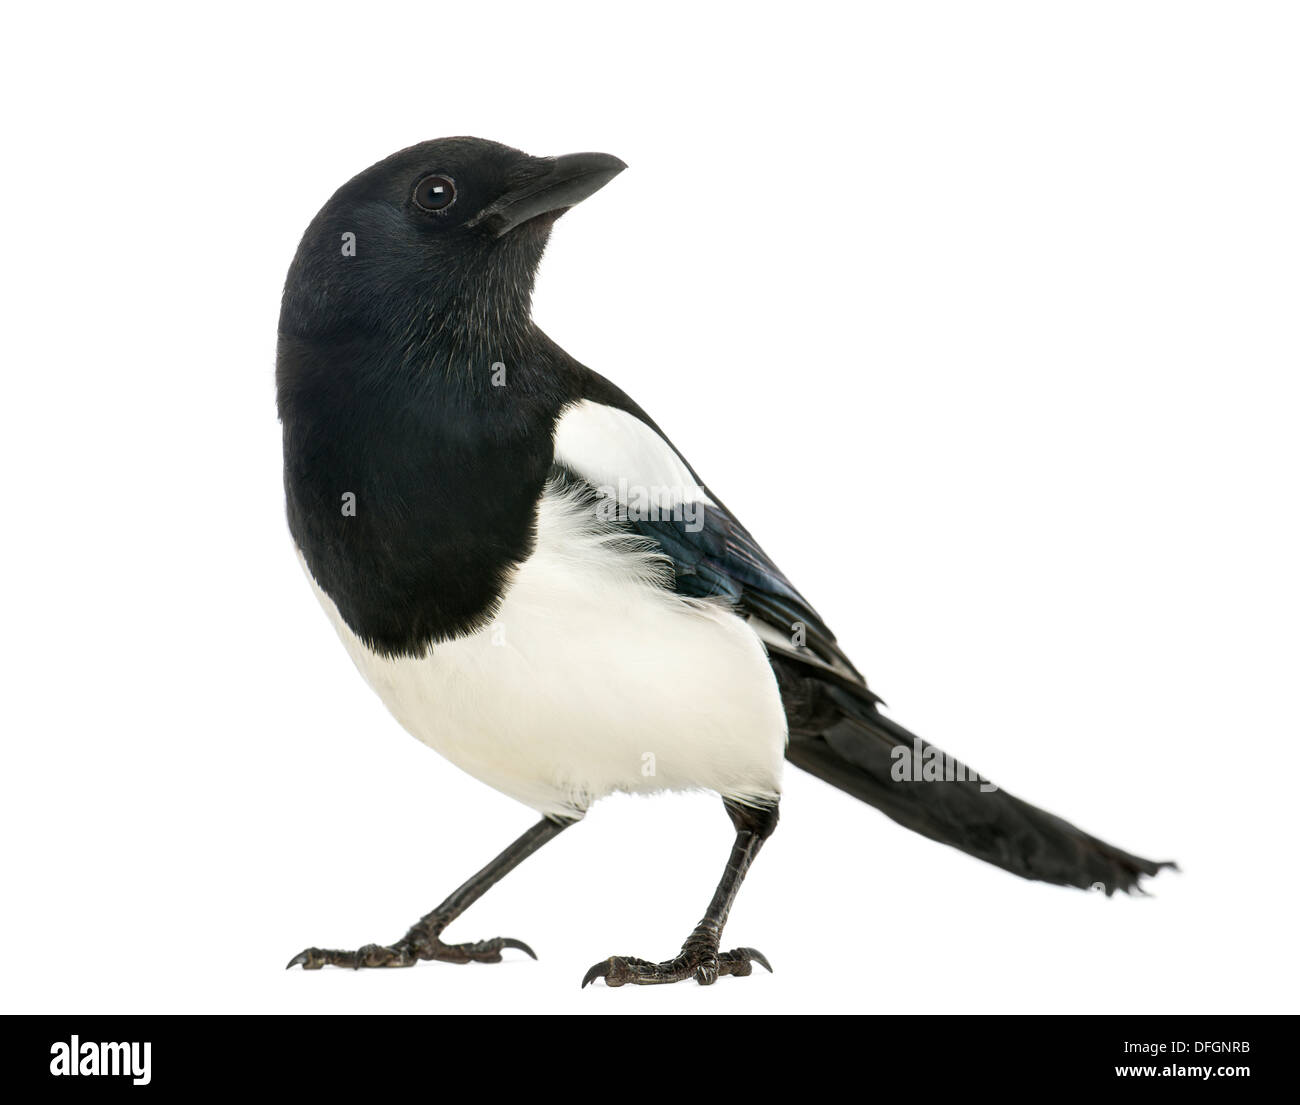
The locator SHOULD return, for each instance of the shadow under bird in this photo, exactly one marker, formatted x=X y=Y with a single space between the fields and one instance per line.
x=519 y=561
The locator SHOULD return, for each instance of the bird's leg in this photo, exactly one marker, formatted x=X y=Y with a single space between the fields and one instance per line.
x=422 y=940
x=700 y=958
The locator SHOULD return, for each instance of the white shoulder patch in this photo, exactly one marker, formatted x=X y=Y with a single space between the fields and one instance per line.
x=623 y=458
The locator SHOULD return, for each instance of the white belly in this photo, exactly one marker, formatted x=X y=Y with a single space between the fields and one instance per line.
x=593 y=679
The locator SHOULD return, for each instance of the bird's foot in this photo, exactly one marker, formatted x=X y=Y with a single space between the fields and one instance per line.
x=422 y=942
x=699 y=959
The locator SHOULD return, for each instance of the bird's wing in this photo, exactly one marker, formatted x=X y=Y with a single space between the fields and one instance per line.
x=605 y=444
x=836 y=731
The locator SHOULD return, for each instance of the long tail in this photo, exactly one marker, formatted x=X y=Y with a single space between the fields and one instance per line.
x=840 y=736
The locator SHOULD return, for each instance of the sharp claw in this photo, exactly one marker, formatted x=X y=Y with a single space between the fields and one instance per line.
x=307 y=960
x=507 y=942
x=757 y=956
x=600 y=970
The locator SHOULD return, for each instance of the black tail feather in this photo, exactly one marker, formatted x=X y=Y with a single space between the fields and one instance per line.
x=843 y=739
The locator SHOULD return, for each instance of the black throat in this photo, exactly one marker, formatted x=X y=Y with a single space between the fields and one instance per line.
x=417 y=442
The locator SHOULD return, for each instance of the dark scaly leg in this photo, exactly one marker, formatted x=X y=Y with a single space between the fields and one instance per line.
x=700 y=958
x=423 y=941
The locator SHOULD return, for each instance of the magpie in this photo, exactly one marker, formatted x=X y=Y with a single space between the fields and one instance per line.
x=536 y=582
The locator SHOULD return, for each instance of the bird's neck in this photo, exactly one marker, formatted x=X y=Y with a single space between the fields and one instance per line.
x=478 y=336
x=479 y=318
x=495 y=367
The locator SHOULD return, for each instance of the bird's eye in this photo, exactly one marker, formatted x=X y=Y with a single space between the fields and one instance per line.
x=435 y=192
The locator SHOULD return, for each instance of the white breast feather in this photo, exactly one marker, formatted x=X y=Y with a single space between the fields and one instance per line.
x=594 y=677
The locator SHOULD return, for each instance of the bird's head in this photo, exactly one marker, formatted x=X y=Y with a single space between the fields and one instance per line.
x=438 y=239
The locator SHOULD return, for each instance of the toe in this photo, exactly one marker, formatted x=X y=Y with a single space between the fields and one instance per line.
x=598 y=970
x=706 y=974
x=740 y=962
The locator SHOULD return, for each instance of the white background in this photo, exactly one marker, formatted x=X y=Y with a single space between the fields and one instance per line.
x=982 y=317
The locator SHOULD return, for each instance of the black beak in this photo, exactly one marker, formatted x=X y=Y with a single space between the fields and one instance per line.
x=557 y=183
